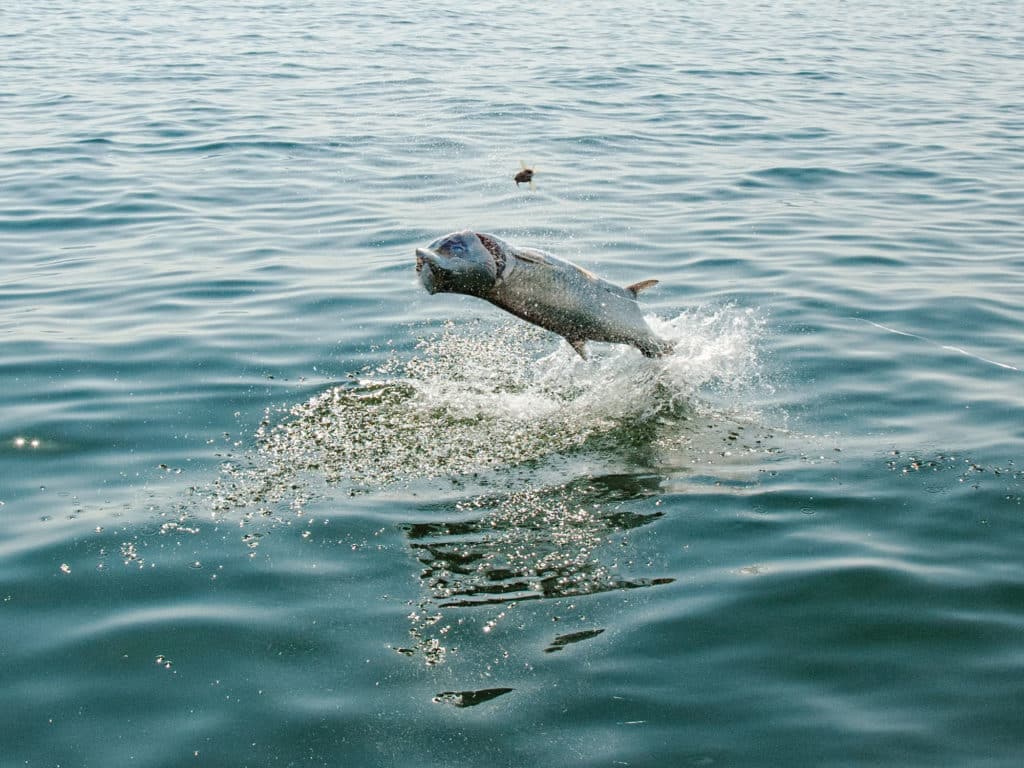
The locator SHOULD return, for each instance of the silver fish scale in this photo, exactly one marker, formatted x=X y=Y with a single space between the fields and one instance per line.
x=565 y=299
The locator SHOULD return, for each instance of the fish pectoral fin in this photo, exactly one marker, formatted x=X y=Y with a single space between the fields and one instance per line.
x=643 y=285
x=580 y=346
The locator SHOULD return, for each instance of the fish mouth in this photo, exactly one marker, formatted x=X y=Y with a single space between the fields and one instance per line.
x=425 y=261
x=496 y=251
x=422 y=255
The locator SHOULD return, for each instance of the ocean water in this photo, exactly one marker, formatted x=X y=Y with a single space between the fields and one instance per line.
x=265 y=502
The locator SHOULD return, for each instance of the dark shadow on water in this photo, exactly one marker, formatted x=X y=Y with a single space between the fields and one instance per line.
x=561 y=641
x=470 y=698
x=530 y=544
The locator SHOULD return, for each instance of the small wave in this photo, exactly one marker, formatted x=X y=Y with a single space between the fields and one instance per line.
x=799 y=176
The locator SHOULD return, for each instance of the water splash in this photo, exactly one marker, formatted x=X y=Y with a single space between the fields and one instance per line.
x=475 y=398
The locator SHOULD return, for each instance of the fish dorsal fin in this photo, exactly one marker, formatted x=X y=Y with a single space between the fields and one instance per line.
x=530 y=256
x=580 y=345
x=635 y=288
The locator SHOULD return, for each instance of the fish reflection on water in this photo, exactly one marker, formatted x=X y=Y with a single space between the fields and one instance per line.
x=531 y=544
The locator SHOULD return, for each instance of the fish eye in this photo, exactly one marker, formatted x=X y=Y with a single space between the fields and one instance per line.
x=456 y=246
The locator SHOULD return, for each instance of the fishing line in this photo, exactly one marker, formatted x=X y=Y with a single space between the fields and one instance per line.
x=947 y=347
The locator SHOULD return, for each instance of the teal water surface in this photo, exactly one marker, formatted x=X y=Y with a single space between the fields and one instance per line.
x=265 y=502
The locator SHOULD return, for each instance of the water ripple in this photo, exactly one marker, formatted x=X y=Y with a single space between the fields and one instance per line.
x=252 y=477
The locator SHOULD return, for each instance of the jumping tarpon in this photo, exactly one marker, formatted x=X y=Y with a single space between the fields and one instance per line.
x=540 y=289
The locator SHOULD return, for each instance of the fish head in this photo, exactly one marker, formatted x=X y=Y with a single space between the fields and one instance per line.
x=461 y=262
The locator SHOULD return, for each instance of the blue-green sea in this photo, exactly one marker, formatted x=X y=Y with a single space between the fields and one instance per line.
x=266 y=502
